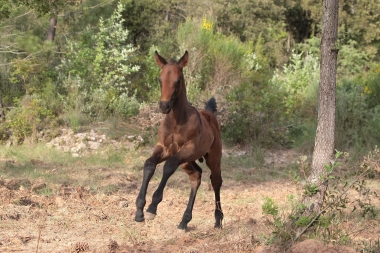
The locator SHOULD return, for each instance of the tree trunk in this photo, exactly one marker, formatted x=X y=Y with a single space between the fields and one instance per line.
x=52 y=27
x=324 y=140
x=2 y=110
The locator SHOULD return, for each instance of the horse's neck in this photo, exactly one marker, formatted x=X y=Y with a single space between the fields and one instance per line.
x=179 y=112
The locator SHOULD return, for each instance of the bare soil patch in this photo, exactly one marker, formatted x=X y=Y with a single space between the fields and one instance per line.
x=74 y=218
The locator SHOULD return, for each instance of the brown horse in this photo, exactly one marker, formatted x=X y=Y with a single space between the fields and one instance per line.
x=185 y=135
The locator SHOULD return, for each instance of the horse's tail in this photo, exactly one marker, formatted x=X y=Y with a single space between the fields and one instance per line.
x=211 y=105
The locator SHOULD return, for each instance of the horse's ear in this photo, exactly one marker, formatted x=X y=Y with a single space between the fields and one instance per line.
x=184 y=59
x=161 y=62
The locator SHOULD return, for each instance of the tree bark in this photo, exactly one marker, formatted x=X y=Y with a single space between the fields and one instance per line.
x=52 y=28
x=324 y=140
x=2 y=110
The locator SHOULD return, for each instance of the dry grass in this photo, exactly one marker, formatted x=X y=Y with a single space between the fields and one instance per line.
x=91 y=206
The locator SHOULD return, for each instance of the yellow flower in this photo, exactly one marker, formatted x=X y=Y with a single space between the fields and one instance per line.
x=207 y=25
x=367 y=90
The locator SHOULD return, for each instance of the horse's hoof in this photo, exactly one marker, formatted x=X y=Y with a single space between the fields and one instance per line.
x=218 y=226
x=149 y=216
x=139 y=219
x=182 y=227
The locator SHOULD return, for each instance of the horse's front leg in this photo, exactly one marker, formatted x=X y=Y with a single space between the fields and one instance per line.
x=169 y=168
x=149 y=168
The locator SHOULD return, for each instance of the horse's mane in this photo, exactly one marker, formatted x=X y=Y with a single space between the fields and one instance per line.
x=173 y=61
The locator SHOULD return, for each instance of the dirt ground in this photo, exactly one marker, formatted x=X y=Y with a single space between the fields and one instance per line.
x=74 y=220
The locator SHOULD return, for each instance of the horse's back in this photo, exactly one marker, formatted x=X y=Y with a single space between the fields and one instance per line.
x=211 y=119
x=216 y=146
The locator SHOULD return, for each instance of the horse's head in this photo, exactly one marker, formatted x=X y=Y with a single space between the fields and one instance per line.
x=171 y=80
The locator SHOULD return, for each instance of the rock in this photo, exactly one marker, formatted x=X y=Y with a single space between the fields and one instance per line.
x=93 y=145
x=131 y=137
x=123 y=204
x=130 y=177
x=80 y=144
x=140 y=139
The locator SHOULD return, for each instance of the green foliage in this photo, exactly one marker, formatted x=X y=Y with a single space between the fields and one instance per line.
x=112 y=63
x=5 y=7
x=299 y=82
x=256 y=20
x=340 y=204
x=269 y=207
x=151 y=75
x=372 y=88
x=256 y=114
x=29 y=118
x=232 y=57
x=310 y=189
x=303 y=221
x=97 y=70
x=357 y=113
x=265 y=109
x=215 y=59
x=352 y=61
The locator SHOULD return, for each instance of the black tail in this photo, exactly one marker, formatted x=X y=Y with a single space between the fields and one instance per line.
x=211 y=105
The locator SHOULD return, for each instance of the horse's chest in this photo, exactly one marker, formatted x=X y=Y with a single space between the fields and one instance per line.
x=174 y=142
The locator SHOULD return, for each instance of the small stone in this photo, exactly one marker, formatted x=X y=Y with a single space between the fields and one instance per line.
x=93 y=145
x=123 y=204
x=130 y=177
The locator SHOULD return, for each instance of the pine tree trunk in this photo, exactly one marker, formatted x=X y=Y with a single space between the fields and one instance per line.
x=324 y=141
x=52 y=28
x=2 y=110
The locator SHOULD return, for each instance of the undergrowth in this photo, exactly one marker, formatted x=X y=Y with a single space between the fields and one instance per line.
x=349 y=199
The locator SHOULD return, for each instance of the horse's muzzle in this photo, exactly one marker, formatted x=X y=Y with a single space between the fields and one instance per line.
x=165 y=106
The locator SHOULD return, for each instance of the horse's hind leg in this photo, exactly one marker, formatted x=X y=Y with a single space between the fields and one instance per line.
x=216 y=181
x=195 y=174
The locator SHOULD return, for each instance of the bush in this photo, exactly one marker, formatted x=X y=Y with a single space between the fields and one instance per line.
x=264 y=111
x=97 y=70
x=357 y=114
x=28 y=119
x=126 y=106
x=299 y=82
x=216 y=60
x=372 y=88
x=256 y=114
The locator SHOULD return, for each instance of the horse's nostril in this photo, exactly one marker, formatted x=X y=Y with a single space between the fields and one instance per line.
x=165 y=106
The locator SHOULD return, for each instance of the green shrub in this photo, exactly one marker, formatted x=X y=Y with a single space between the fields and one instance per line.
x=299 y=82
x=126 y=106
x=96 y=71
x=216 y=60
x=372 y=88
x=256 y=113
x=31 y=116
x=357 y=114
x=265 y=111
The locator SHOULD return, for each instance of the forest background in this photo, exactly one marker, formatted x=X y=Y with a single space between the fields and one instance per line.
x=73 y=63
